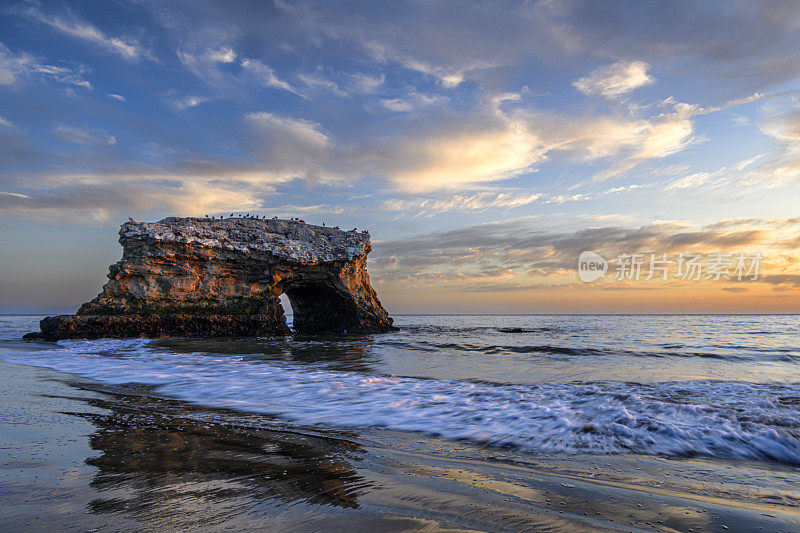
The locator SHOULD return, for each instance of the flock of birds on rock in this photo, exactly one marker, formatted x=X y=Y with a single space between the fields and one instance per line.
x=248 y=215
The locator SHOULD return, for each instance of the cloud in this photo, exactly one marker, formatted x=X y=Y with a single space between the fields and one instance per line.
x=397 y=105
x=746 y=44
x=655 y=138
x=692 y=181
x=14 y=67
x=222 y=55
x=525 y=245
x=290 y=147
x=615 y=80
x=5 y=122
x=781 y=167
x=475 y=202
x=91 y=199
x=482 y=201
x=783 y=127
x=432 y=39
x=116 y=97
x=725 y=178
x=431 y=107
x=411 y=102
x=742 y=47
x=266 y=76
x=667 y=134
x=457 y=153
x=447 y=76
x=82 y=135
x=317 y=81
x=75 y=27
x=783 y=279
x=440 y=150
x=494 y=145
x=280 y=149
x=189 y=101
x=13 y=195
x=205 y=65
x=362 y=83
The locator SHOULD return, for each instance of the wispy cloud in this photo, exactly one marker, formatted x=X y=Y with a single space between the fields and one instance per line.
x=13 y=195
x=412 y=101
x=222 y=55
x=320 y=82
x=615 y=80
x=266 y=76
x=78 y=135
x=16 y=67
x=187 y=102
x=476 y=202
x=73 y=26
x=362 y=83
x=447 y=76
x=290 y=147
x=117 y=97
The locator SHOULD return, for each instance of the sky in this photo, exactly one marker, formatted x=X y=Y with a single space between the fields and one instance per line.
x=484 y=145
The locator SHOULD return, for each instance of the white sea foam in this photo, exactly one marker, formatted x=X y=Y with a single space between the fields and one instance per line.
x=731 y=419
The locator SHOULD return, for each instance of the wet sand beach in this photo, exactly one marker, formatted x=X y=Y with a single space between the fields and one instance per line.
x=79 y=455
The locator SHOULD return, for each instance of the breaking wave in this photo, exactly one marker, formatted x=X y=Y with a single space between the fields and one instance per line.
x=728 y=419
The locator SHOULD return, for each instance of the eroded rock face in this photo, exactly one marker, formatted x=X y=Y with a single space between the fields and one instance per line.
x=206 y=277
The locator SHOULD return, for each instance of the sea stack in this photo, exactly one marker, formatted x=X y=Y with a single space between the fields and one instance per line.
x=206 y=277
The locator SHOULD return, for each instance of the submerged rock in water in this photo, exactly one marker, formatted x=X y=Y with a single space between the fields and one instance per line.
x=207 y=277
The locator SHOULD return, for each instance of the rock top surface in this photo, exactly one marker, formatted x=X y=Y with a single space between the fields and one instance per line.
x=289 y=240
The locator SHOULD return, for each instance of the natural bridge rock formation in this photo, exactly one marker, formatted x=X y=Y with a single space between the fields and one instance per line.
x=207 y=277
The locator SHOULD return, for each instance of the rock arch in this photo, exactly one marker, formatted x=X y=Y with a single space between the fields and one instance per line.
x=206 y=277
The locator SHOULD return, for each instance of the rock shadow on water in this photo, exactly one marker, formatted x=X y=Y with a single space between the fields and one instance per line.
x=163 y=460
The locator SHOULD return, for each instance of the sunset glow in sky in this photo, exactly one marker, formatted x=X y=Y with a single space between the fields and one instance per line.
x=484 y=145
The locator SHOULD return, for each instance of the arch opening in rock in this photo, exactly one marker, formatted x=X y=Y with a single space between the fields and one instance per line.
x=319 y=308
x=287 y=309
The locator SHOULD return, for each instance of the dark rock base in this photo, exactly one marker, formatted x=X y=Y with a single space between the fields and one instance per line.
x=172 y=325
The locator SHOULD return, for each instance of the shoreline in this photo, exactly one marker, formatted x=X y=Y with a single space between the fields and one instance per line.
x=78 y=455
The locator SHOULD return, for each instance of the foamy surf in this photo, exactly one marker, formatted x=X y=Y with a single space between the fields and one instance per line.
x=726 y=419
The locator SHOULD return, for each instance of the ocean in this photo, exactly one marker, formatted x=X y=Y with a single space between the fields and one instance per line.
x=696 y=406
